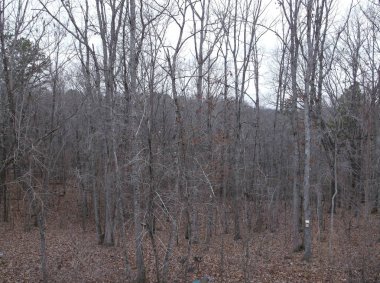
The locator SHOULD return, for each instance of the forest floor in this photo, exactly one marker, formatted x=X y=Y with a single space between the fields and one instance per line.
x=74 y=256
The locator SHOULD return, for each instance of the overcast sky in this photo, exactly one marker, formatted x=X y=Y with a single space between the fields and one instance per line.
x=268 y=45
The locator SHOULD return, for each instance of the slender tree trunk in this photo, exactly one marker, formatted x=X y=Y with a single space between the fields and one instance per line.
x=211 y=198
x=9 y=139
x=257 y=127
x=296 y=199
x=152 y=186
x=109 y=206
x=124 y=239
x=141 y=277
x=119 y=205
x=237 y=232
x=169 y=251
x=42 y=229
x=294 y=48
x=306 y=194
x=95 y=198
x=237 y=127
x=225 y=144
x=3 y=194
x=333 y=199
x=319 y=207
x=38 y=205
x=308 y=83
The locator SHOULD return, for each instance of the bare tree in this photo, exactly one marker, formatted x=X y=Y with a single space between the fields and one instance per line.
x=291 y=12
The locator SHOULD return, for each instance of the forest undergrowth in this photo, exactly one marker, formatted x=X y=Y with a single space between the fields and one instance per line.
x=262 y=255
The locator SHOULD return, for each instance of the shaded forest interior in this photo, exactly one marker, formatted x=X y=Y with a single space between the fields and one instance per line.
x=139 y=141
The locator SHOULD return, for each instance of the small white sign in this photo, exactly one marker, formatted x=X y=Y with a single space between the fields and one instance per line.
x=307 y=223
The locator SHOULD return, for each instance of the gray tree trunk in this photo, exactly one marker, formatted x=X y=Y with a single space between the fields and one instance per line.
x=308 y=82
x=294 y=47
x=141 y=276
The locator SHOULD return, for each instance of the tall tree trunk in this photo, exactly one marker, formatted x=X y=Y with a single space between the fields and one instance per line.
x=9 y=139
x=237 y=129
x=141 y=276
x=308 y=83
x=294 y=48
x=306 y=193
x=211 y=200
x=225 y=143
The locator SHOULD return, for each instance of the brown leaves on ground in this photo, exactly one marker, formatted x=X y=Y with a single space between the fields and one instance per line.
x=74 y=256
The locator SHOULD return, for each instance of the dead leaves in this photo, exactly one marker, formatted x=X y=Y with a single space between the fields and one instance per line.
x=74 y=256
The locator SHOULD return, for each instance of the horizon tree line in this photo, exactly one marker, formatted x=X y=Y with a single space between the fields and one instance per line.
x=152 y=111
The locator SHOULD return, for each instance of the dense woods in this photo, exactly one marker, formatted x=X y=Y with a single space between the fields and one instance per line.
x=190 y=138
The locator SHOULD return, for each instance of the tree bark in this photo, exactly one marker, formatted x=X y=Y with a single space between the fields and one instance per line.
x=308 y=83
x=133 y=64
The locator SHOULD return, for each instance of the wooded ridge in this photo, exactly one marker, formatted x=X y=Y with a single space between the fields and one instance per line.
x=160 y=141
